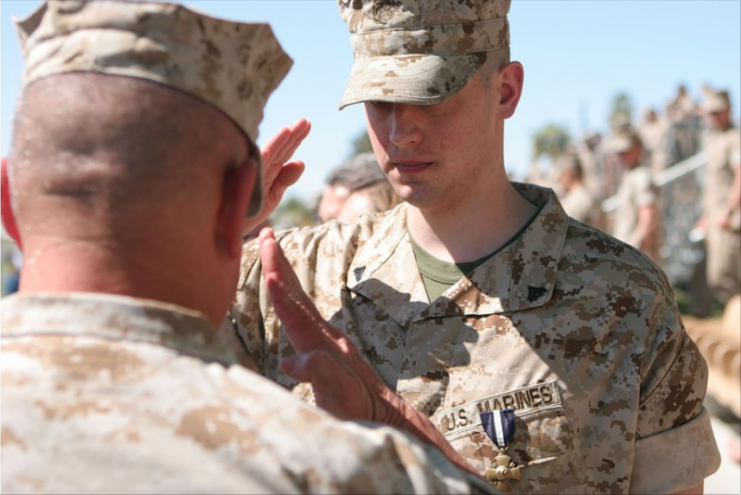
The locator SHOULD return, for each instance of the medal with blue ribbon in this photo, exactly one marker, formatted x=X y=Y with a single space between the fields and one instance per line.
x=500 y=427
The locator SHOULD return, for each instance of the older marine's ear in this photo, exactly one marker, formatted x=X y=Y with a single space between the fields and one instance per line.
x=236 y=195
x=6 y=208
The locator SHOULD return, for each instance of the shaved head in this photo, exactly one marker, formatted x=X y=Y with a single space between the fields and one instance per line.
x=102 y=143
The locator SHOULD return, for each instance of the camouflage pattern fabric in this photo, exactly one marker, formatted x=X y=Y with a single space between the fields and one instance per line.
x=576 y=331
x=110 y=394
x=231 y=65
x=419 y=51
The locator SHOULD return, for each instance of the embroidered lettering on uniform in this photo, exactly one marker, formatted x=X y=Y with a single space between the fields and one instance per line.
x=463 y=418
x=535 y=293
x=538 y=397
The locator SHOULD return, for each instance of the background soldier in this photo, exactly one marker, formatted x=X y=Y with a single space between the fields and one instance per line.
x=576 y=332
x=722 y=215
x=653 y=131
x=357 y=186
x=637 y=217
x=130 y=180
x=577 y=201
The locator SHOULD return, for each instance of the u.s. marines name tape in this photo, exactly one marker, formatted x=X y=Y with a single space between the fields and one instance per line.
x=525 y=400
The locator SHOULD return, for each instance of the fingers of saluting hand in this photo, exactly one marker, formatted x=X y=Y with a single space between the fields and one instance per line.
x=298 y=132
x=280 y=148
x=289 y=174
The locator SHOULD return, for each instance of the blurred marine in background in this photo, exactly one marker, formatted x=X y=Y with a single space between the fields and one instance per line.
x=722 y=205
x=637 y=217
x=356 y=187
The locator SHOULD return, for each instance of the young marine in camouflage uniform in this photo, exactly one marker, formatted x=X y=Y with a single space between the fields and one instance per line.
x=479 y=294
x=132 y=166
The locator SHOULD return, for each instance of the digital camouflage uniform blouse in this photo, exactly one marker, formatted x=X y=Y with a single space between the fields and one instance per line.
x=110 y=394
x=576 y=331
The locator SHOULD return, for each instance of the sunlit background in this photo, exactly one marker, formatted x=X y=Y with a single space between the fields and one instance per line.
x=578 y=55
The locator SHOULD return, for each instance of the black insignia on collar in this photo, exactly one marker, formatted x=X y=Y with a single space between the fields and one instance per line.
x=358 y=272
x=534 y=293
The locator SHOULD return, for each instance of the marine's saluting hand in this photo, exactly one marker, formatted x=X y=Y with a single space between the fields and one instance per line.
x=278 y=173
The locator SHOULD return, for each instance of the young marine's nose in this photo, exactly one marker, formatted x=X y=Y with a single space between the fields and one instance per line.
x=405 y=131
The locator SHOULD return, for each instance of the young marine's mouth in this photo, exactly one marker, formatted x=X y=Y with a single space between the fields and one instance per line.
x=411 y=166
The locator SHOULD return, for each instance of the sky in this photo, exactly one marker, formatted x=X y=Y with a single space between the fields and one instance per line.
x=577 y=55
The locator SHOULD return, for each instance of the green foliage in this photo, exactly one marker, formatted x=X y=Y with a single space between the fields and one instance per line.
x=551 y=141
x=291 y=212
x=622 y=109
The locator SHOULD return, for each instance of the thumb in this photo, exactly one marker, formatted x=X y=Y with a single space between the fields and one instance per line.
x=296 y=367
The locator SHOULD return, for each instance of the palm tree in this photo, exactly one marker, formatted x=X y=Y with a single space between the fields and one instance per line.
x=551 y=141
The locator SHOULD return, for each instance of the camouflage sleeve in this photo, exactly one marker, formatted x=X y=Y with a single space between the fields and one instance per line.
x=243 y=329
x=675 y=447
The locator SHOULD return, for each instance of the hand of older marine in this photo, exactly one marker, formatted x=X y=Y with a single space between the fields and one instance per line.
x=278 y=173
x=344 y=384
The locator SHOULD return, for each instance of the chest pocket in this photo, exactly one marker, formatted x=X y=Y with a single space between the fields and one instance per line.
x=542 y=444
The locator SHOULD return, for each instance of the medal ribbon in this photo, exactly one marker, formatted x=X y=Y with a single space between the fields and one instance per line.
x=499 y=426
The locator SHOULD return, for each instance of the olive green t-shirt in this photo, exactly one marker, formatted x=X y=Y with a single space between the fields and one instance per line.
x=438 y=276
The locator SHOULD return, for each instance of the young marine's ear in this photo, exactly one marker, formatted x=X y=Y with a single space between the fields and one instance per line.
x=6 y=208
x=511 y=79
x=236 y=193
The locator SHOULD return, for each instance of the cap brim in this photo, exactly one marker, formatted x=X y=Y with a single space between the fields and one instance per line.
x=412 y=79
x=712 y=107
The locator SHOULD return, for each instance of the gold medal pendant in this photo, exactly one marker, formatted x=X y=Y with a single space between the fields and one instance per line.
x=500 y=428
x=504 y=473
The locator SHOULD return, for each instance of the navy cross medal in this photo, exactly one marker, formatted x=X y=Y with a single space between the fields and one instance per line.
x=500 y=427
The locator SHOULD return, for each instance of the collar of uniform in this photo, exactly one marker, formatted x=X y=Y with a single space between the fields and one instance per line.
x=114 y=318
x=522 y=275
x=385 y=270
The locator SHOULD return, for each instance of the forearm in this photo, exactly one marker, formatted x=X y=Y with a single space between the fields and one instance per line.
x=646 y=226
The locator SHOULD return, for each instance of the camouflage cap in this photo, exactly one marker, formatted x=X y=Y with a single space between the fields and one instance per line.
x=419 y=51
x=357 y=173
x=715 y=101
x=231 y=65
x=568 y=162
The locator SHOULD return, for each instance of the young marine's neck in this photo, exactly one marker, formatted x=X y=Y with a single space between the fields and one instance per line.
x=475 y=228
